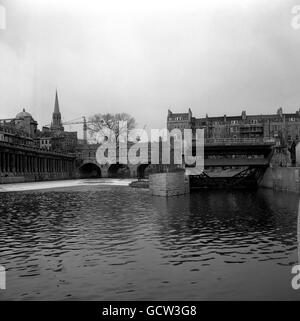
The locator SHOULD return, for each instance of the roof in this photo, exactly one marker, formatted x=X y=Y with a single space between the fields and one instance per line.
x=23 y=114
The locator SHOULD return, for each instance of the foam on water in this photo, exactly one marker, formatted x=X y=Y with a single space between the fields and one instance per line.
x=63 y=183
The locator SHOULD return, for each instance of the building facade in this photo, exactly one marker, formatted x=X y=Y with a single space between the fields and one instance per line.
x=10 y=134
x=23 y=163
x=25 y=122
x=28 y=154
x=55 y=137
x=283 y=127
x=23 y=129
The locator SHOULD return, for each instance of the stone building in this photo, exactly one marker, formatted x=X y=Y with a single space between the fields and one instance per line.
x=23 y=130
x=28 y=154
x=25 y=122
x=45 y=143
x=21 y=160
x=10 y=134
x=55 y=137
x=284 y=127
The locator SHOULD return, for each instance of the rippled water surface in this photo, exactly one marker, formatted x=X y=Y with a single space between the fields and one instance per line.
x=106 y=242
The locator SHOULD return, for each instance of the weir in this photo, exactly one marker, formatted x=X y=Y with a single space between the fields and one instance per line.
x=233 y=163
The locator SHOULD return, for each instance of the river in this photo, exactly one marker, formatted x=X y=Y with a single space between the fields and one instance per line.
x=102 y=240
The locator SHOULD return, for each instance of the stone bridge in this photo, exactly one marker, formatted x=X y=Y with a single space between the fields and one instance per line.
x=217 y=153
x=88 y=167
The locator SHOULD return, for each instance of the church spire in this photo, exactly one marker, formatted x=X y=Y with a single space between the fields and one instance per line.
x=56 y=105
x=56 y=116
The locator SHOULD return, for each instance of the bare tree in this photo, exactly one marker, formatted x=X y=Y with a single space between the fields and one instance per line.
x=101 y=125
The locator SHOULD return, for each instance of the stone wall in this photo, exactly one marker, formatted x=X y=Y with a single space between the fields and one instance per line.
x=169 y=184
x=282 y=178
x=297 y=151
x=10 y=178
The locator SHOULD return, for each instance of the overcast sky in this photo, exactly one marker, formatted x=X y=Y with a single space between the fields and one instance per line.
x=143 y=57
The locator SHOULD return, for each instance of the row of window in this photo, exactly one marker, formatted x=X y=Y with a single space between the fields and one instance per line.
x=178 y=118
x=45 y=141
x=235 y=122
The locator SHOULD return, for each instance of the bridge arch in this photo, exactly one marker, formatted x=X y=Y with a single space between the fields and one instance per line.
x=143 y=170
x=118 y=171
x=89 y=170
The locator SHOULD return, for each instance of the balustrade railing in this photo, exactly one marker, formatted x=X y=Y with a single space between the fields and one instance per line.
x=246 y=141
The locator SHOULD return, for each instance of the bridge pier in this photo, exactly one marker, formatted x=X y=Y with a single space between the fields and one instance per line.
x=169 y=184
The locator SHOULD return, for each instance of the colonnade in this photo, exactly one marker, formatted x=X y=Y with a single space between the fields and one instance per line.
x=23 y=162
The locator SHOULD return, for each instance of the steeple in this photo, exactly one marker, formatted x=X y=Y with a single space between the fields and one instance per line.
x=56 y=106
x=56 y=116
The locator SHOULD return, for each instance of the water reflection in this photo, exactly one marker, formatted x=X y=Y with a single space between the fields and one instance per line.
x=110 y=242
x=236 y=225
